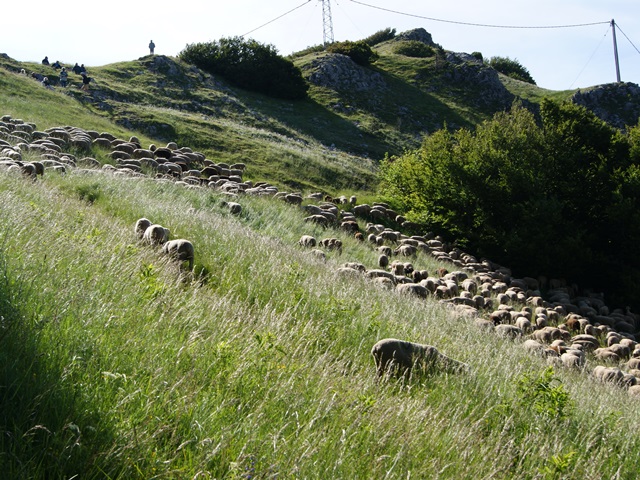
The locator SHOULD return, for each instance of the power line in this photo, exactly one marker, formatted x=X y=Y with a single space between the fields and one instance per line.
x=277 y=18
x=625 y=36
x=478 y=24
x=590 y=58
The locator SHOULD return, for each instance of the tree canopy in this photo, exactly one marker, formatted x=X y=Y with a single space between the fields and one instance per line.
x=557 y=196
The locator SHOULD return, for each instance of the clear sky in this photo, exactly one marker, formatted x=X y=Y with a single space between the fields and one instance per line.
x=558 y=58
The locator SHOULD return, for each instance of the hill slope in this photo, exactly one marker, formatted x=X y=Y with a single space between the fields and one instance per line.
x=332 y=141
x=117 y=363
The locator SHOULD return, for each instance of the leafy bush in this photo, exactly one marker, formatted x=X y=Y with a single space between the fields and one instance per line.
x=414 y=48
x=546 y=394
x=478 y=55
x=559 y=198
x=511 y=68
x=380 y=36
x=308 y=50
x=248 y=64
x=359 y=51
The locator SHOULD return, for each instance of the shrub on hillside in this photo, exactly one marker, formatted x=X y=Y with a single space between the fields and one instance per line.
x=511 y=68
x=558 y=198
x=359 y=51
x=380 y=36
x=308 y=50
x=414 y=48
x=248 y=64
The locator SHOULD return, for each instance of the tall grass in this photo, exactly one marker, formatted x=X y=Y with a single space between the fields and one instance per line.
x=115 y=364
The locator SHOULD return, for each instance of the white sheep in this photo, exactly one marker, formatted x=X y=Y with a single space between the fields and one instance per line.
x=307 y=241
x=181 y=250
x=155 y=235
x=141 y=226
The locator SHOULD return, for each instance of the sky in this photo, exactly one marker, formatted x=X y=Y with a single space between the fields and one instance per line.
x=118 y=30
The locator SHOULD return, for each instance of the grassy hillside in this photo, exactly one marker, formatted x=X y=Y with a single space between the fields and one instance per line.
x=330 y=142
x=116 y=365
x=208 y=119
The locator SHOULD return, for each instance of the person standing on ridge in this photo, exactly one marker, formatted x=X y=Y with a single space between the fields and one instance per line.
x=64 y=77
x=152 y=47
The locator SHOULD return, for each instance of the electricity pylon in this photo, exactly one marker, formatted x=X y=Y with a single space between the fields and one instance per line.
x=327 y=23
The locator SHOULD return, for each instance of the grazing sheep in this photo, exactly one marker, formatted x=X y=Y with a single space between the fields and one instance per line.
x=141 y=226
x=412 y=289
x=356 y=266
x=397 y=268
x=524 y=324
x=508 y=331
x=383 y=261
x=234 y=208
x=571 y=360
x=319 y=254
x=155 y=235
x=331 y=244
x=307 y=241
x=406 y=250
x=398 y=357
x=608 y=374
x=319 y=219
x=181 y=250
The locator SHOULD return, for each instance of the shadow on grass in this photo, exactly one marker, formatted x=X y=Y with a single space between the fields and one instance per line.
x=46 y=430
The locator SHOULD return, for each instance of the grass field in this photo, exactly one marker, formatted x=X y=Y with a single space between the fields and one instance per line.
x=117 y=365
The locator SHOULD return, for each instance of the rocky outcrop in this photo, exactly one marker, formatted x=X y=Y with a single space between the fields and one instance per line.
x=418 y=35
x=618 y=104
x=339 y=72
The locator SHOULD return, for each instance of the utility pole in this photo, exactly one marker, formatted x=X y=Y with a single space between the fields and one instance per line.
x=327 y=23
x=615 y=50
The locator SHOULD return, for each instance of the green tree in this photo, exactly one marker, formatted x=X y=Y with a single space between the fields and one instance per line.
x=511 y=68
x=250 y=65
x=558 y=195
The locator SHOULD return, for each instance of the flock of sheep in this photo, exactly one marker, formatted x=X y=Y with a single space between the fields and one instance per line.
x=564 y=326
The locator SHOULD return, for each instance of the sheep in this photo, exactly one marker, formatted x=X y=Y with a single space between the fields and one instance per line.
x=398 y=357
x=412 y=289
x=181 y=250
x=307 y=241
x=331 y=244
x=319 y=219
x=397 y=268
x=293 y=198
x=141 y=226
x=234 y=207
x=319 y=254
x=383 y=261
x=571 y=360
x=155 y=235
x=509 y=331
x=406 y=250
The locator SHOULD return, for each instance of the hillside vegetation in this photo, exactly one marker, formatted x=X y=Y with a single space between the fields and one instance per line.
x=352 y=117
x=116 y=362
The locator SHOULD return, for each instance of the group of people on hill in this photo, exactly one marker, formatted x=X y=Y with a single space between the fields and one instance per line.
x=64 y=74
